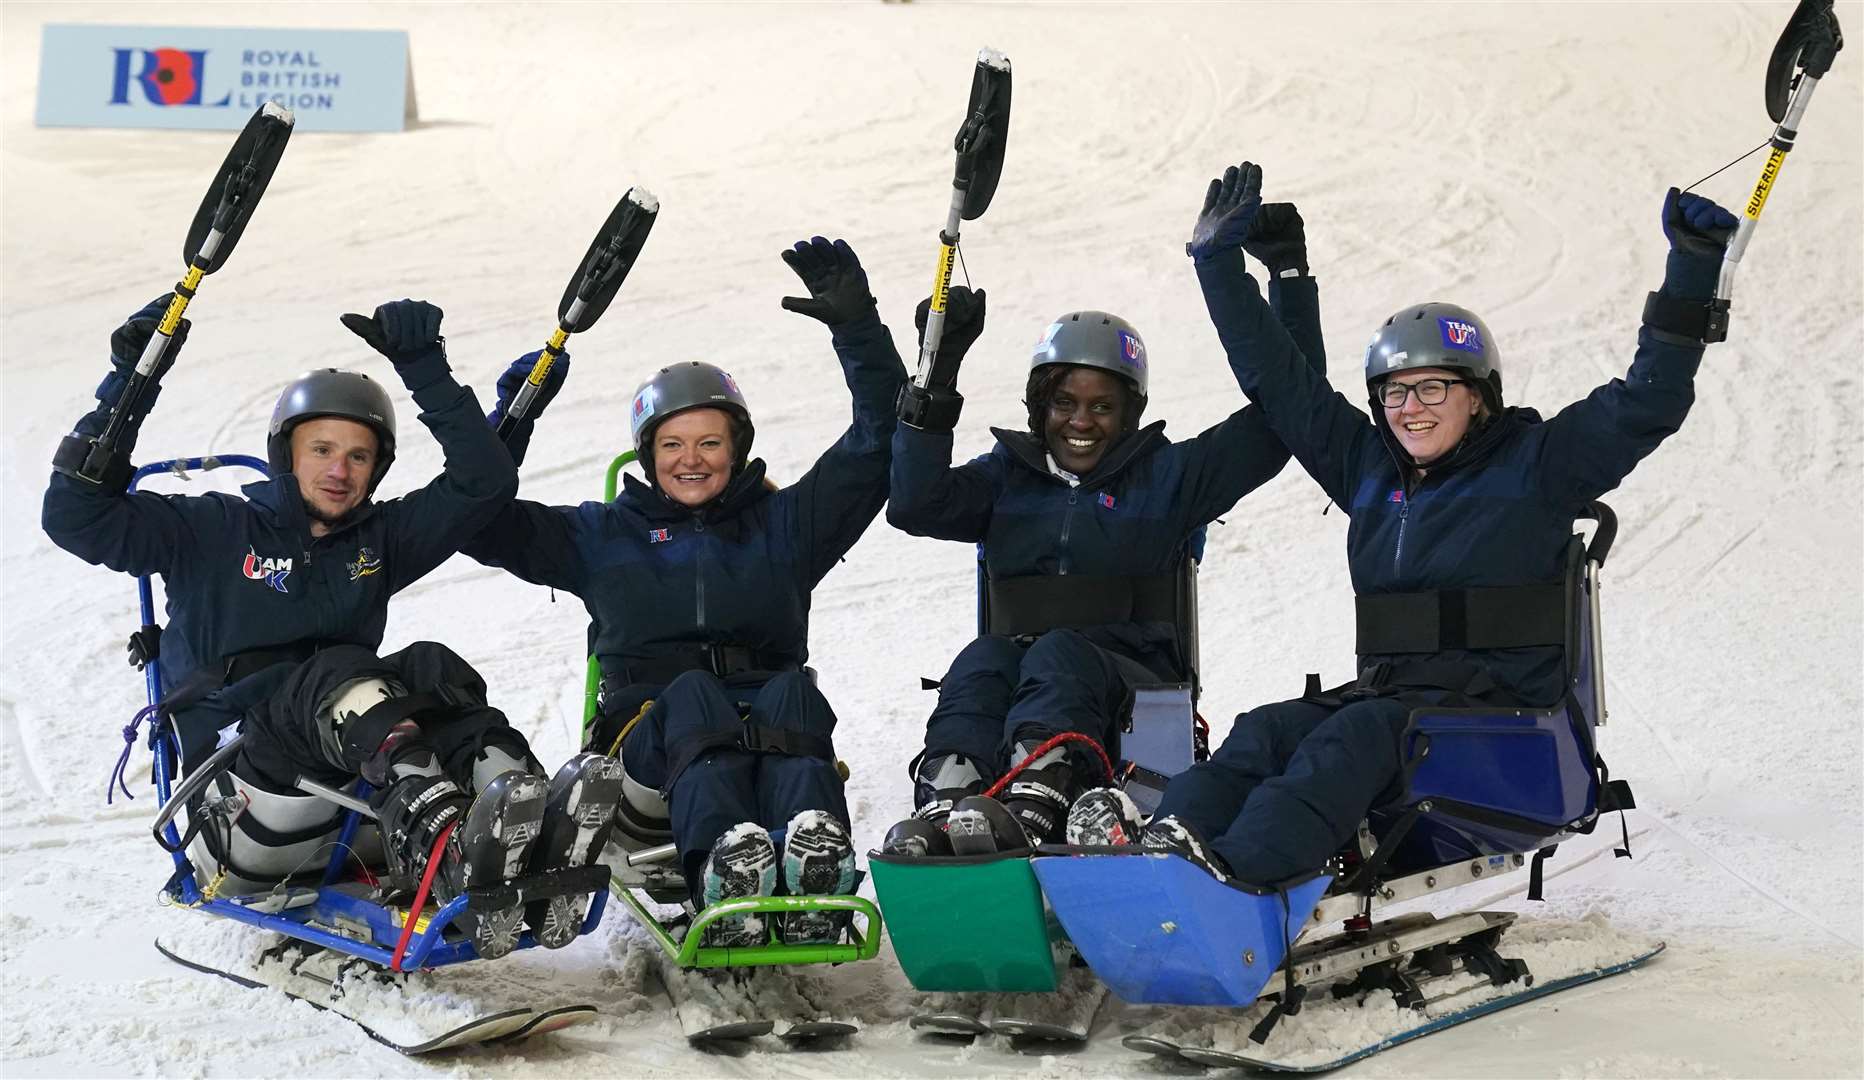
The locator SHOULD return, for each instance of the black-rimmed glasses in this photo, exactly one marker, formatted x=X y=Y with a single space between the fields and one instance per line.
x=1428 y=391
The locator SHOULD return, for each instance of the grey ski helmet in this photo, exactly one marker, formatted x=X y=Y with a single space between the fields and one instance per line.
x=691 y=385
x=1094 y=339
x=1437 y=335
x=332 y=392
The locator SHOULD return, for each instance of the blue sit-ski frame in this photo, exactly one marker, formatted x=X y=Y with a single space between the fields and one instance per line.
x=426 y=948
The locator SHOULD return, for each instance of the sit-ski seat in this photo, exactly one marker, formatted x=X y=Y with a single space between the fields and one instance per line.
x=1011 y=937
x=1161 y=736
x=1492 y=781
x=1485 y=786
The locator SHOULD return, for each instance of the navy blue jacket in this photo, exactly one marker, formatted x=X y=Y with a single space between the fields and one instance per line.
x=656 y=575
x=1498 y=511
x=246 y=574
x=1133 y=515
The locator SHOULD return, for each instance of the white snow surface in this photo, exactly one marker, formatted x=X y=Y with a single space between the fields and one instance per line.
x=1511 y=158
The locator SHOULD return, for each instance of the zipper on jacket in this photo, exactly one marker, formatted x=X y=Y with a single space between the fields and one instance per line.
x=699 y=576
x=1404 y=513
x=1067 y=524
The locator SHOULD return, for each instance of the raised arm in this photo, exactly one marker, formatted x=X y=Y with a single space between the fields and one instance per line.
x=109 y=526
x=1242 y=453
x=843 y=492
x=537 y=543
x=929 y=497
x=1594 y=443
x=432 y=522
x=1322 y=429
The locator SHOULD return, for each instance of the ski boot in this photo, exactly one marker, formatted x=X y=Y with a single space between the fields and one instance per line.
x=578 y=815
x=743 y=863
x=1041 y=793
x=818 y=860
x=1104 y=817
x=916 y=838
x=490 y=843
x=938 y=783
x=981 y=825
x=1182 y=838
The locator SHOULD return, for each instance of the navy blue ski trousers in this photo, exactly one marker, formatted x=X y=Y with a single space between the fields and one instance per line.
x=1000 y=691
x=728 y=784
x=1291 y=783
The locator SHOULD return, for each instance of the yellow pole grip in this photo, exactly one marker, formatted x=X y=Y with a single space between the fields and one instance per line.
x=178 y=304
x=1768 y=174
x=941 y=284
x=552 y=349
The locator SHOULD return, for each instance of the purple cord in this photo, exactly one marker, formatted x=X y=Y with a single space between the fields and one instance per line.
x=122 y=765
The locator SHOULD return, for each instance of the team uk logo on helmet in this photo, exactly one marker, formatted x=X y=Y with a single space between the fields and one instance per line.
x=1458 y=334
x=1132 y=349
x=269 y=569
x=731 y=384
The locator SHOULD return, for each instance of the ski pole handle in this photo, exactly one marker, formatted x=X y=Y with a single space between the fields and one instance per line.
x=1810 y=43
x=1784 y=135
x=941 y=290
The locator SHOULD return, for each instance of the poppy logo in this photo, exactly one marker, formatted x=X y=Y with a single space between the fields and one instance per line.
x=167 y=77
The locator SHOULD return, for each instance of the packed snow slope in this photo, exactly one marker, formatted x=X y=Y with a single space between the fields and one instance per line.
x=1509 y=158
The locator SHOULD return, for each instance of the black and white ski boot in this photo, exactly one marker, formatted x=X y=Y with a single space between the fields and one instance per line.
x=579 y=812
x=490 y=843
x=917 y=838
x=743 y=863
x=1182 y=838
x=980 y=825
x=1041 y=793
x=818 y=860
x=1104 y=817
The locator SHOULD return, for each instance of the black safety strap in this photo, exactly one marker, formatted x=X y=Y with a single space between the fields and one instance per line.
x=1038 y=603
x=672 y=661
x=1534 y=873
x=1701 y=321
x=757 y=738
x=1501 y=617
x=1291 y=996
x=241 y=664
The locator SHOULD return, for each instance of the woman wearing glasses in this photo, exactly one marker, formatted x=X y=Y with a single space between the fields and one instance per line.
x=1447 y=489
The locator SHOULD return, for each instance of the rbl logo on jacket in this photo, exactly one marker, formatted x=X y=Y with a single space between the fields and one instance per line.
x=659 y=536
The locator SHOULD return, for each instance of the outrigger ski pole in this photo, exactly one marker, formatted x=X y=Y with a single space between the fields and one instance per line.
x=217 y=226
x=1800 y=59
x=980 y=143
x=604 y=267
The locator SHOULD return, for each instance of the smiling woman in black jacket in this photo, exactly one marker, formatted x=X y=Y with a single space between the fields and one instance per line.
x=698 y=584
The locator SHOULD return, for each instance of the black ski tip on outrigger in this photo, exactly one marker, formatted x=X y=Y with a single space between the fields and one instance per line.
x=1808 y=45
x=985 y=132
x=235 y=190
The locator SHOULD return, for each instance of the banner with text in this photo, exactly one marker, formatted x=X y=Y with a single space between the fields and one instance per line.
x=211 y=77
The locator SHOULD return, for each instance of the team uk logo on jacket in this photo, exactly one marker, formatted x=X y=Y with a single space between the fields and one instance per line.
x=269 y=569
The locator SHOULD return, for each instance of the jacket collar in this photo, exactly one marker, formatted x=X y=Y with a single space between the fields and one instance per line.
x=1030 y=451
x=1475 y=449
x=744 y=489
x=280 y=504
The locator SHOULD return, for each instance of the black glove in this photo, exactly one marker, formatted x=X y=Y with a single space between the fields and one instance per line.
x=518 y=374
x=1230 y=207
x=1698 y=231
x=964 y=320
x=408 y=333
x=837 y=285
x=1277 y=240
x=129 y=340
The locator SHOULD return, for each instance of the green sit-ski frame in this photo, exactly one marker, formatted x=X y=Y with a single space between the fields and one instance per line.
x=631 y=882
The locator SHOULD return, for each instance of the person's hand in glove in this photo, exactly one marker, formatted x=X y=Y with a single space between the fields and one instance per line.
x=837 y=285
